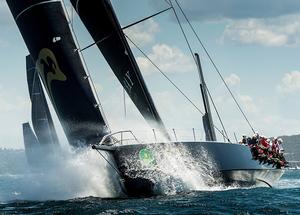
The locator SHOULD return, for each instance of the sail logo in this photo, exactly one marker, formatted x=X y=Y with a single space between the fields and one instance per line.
x=128 y=82
x=49 y=69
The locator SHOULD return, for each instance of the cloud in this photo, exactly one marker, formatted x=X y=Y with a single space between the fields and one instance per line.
x=264 y=22
x=281 y=31
x=290 y=82
x=233 y=80
x=143 y=33
x=237 y=9
x=248 y=103
x=288 y=126
x=263 y=112
x=168 y=59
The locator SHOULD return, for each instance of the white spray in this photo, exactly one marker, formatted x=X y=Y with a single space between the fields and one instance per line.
x=64 y=174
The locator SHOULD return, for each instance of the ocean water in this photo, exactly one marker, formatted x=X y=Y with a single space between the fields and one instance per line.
x=82 y=183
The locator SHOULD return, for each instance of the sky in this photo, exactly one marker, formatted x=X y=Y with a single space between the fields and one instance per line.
x=255 y=44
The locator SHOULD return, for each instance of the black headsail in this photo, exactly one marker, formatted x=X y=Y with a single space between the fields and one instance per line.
x=40 y=115
x=45 y=30
x=99 y=18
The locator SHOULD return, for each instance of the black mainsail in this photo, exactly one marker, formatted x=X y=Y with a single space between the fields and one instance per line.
x=100 y=20
x=40 y=115
x=46 y=32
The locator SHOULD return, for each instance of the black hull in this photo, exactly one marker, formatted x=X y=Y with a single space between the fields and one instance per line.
x=248 y=178
x=226 y=164
x=237 y=178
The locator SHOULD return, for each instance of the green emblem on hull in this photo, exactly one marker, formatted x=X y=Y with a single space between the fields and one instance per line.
x=146 y=157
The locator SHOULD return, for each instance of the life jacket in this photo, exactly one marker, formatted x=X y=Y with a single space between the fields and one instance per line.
x=264 y=142
x=275 y=147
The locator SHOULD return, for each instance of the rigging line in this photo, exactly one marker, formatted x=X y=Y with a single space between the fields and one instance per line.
x=87 y=70
x=165 y=75
x=124 y=103
x=182 y=93
x=181 y=28
x=192 y=53
x=149 y=17
x=219 y=117
x=117 y=171
x=215 y=66
x=235 y=137
x=95 y=43
x=130 y=25
x=155 y=116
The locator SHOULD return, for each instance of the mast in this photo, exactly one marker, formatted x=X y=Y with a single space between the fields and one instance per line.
x=48 y=37
x=100 y=20
x=208 y=125
x=40 y=115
